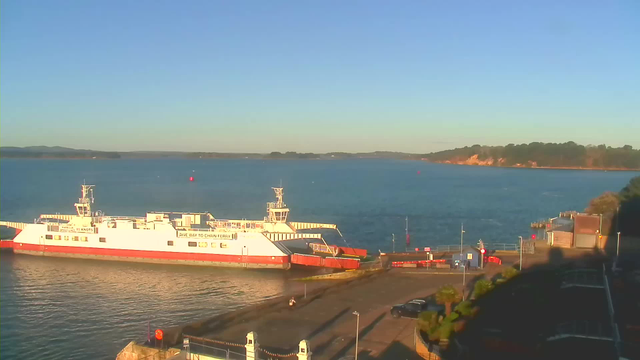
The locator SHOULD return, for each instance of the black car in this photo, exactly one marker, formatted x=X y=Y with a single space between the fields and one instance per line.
x=412 y=308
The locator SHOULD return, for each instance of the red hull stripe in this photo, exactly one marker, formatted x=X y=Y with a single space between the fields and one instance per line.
x=158 y=255
x=6 y=244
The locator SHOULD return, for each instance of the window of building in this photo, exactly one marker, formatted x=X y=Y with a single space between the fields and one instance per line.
x=103 y=239
x=49 y=237
x=76 y=238
x=193 y=244
x=170 y=243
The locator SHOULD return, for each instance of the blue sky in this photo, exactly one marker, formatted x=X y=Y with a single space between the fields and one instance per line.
x=261 y=76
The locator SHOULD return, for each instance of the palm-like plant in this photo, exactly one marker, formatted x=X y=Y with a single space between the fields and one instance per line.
x=447 y=295
x=482 y=287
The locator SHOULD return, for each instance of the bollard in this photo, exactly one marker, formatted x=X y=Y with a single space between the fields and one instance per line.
x=252 y=346
x=304 y=352
x=185 y=344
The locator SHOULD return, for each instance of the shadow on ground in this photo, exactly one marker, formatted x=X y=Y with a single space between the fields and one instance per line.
x=516 y=319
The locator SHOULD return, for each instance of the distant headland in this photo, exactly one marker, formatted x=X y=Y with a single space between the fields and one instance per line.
x=567 y=155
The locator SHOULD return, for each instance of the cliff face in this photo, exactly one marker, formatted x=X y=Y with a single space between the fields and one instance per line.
x=474 y=160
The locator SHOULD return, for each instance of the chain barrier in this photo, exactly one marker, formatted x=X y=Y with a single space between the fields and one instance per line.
x=239 y=345
x=278 y=355
x=213 y=341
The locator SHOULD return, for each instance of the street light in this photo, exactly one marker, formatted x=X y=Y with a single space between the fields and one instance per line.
x=461 y=238
x=520 y=252
x=357 y=314
x=393 y=240
x=618 y=246
x=464 y=278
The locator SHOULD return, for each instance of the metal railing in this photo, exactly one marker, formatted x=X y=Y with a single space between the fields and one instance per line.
x=614 y=325
x=527 y=247
x=198 y=346
x=214 y=352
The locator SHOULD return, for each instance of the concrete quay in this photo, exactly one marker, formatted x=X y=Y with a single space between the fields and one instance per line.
x=325 y=318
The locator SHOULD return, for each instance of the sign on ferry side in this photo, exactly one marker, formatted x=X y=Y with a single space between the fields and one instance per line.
x=206 y=235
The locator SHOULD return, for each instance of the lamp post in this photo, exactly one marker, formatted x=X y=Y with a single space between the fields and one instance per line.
x=357 y=314
x=464 y=278
x=461 y=238
x=520 y=252
x=393 y=241
x=618 y=246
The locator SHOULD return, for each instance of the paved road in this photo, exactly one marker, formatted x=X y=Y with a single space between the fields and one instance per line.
x=329 y=325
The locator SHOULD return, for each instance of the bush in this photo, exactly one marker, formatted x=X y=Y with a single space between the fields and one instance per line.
x=465 y=308
x=443 y=332
x=482 y=287
x=428 y=321
x=509 y=273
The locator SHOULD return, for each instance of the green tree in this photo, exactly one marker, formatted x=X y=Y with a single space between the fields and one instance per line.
x=632 y=190
x=606 y=203
x=482 y=287
x=447 y=295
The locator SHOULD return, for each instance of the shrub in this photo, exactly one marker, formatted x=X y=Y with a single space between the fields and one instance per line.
x=465 y=308
x=428 y=321
x=482 y=287
x=509 y=273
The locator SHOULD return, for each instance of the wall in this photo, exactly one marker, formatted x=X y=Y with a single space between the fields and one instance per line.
x=422 y=348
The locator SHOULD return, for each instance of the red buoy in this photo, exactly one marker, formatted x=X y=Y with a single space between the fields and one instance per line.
x=159 y=334
x=191 y=178
x=418 y=172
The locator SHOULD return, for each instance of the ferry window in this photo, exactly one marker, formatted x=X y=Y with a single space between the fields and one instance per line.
x=66 y=238
x=103 y=239
x=170 y=243
x=57 y=237
x=223 y=245
x=49 y=237
x=214 y=244
x=76 y=238
x=202 y=244
x=193 y=243
x=84 y=238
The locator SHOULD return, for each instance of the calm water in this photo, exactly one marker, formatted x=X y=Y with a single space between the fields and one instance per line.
x=79 y=309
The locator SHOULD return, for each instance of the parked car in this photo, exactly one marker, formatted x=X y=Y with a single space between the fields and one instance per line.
x=412 y=308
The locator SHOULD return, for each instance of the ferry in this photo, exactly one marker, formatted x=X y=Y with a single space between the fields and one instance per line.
x=189 y=238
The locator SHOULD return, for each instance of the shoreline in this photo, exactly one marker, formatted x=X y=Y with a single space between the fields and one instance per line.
x=534 y=167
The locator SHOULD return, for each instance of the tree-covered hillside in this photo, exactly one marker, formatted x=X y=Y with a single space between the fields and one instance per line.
x=537 y=154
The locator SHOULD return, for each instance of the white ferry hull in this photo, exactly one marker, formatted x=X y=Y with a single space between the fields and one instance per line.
x=176 y=238
x=250 y=250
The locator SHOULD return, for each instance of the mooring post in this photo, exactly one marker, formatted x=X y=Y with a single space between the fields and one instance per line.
x=304 y=352
x=252 y=346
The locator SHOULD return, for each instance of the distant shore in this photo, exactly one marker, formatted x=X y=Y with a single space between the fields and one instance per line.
x=532 y=167
x=265 y=157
